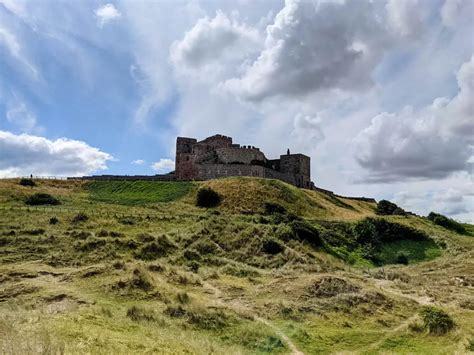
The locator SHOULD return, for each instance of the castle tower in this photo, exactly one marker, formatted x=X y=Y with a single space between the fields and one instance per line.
x=184 y=162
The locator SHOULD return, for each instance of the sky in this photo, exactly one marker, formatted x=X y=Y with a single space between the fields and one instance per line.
x=380 y=94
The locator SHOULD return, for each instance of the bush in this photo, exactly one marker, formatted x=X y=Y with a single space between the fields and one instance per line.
x=387 y=208
x=207 y=197
x=402 y=259
x=273 y=207
x=53 y=220
x=80 y=217
x=306 y=232
x=272 y=247
x=436 y=321
x=41 y=199
x=27 y=182
x=446 y=222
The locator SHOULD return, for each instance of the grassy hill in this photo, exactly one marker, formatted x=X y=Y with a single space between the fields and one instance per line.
x=136 y=267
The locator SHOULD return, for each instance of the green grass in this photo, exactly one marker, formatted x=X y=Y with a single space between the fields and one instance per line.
x=104 y=285
x=415 y=250
x=137 y=192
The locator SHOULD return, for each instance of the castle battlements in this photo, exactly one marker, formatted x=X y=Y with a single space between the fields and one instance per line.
x=217 y=156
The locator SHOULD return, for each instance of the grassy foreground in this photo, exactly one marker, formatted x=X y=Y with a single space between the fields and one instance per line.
x=146 y=271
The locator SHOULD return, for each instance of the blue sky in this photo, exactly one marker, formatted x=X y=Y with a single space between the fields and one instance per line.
x=378 y=94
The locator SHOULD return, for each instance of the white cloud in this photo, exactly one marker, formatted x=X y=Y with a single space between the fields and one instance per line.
x=106 y=14
x=457 y=12
x=10 y=41
x=27 y=154
x=163 y=166
x=431 y=142
x=21 y=116
x=213 y=45
x=322 y=45
x=138 y=162
x=406 y=17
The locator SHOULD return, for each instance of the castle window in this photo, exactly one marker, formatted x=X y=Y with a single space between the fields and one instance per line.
x=187 y=158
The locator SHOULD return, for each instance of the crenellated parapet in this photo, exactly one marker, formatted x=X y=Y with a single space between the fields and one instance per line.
x=217 y=156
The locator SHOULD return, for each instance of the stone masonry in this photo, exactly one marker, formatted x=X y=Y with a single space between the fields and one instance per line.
x=218 y=156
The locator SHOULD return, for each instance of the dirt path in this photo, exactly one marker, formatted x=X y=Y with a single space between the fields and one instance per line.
x=423 y=300
x=218 y=299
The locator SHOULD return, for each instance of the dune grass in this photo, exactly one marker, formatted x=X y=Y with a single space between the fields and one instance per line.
x=177 y=278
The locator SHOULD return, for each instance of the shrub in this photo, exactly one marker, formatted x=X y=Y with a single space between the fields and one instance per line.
x=80 y=217
x=41 y=199
x=27 y=182
x=386 y=208
x=271 y=246
x=402 y=259
x=53 y=220
x=446 y=222
x=306 y=232
x=273 y=207
x=436 y=321
x=207 y=197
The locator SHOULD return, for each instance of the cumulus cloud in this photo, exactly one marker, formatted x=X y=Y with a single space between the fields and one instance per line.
x=322 y=45
x=213 y=44
x=163 y=166
x=28 y=154
x=138 y=162
x=106 y=14
x=431 y=142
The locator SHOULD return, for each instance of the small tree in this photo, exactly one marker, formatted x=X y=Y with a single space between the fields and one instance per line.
x=207 y=197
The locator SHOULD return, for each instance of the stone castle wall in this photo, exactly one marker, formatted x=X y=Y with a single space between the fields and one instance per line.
x=218 y=156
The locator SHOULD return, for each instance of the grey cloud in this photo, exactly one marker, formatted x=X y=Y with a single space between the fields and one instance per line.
x=432 y=142
x=313 y=46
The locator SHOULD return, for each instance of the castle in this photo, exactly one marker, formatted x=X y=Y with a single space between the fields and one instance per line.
x=217 y=156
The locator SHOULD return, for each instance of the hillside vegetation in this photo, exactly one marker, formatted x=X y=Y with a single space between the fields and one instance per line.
x=137 y=267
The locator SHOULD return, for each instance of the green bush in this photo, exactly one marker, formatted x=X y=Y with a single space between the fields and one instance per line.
x=41 y=199
x=80 y=217
x=306 y=232
x=446 y=222
x=402 y=259
x=386 y=208
x=272 y=247
x=27 y=182
x=207 y=197
x=273 y=207
x=436 y=321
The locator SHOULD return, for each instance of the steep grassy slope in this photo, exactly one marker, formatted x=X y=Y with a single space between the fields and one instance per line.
x=140 y=275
